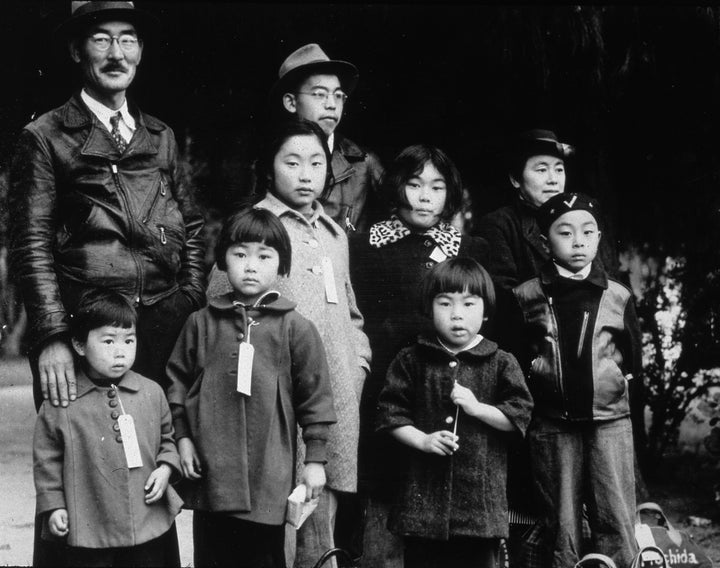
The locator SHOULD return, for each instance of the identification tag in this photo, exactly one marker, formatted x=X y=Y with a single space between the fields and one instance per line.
x=437 y=255
x=329 y=277
x=246 y=352
x=130 y=441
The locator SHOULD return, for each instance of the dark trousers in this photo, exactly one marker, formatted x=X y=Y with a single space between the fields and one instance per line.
x=157 y=330
x=457 y=552
x=222 y=540
x=151 y=553
x=161 y=551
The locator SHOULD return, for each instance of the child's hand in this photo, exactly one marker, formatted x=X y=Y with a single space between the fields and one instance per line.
x=313 y=477
x=442 y=442
x=465 y=399
x=58 y=522
x=157 y=483
x=189 y=459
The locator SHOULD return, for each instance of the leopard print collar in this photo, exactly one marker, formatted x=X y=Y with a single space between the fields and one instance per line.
x=445 y=236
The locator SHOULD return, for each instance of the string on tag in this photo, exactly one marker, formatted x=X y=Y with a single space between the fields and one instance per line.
x=117 y=393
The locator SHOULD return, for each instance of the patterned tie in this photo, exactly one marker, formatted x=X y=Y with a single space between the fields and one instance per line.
x=115 y=132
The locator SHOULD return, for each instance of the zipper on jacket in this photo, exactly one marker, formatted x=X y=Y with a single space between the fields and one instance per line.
x=583 y=330
x=154 y=201
x=163 y=238
x=558 y=363
x=131 y=239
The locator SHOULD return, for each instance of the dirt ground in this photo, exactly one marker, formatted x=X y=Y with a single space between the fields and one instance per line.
x=683 y=489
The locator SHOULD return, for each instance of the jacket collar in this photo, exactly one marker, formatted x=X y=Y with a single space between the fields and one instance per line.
x=270 y=301
x=483 y=349
x=344 y=154
x=130 y=382
x=348 y=148
x=274 y=205
x=76 y=115
x=549 y=275
x=529 y=226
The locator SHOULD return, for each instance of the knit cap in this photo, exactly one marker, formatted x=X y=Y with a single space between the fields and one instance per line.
x=561 y=203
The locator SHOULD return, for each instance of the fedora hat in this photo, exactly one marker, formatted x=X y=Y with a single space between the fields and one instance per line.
x=85 y=13
x=308 y=60
x=536 y=142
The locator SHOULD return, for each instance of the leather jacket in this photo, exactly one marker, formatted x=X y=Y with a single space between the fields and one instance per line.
x=85 y=215
x=354 y=200
x=614 y=340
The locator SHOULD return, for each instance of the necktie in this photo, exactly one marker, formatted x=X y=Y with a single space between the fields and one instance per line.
x=115 y=132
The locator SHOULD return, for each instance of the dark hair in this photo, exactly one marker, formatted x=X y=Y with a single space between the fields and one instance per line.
x=458 y=274
x=253 y=225
x=409 y=163
x=273 y=141
x=97 y=308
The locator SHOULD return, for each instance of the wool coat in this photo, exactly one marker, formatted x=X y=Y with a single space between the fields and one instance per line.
x=387 y=280
x=340 y=326
x=462 y=494
x=79 y=463
x=247 y=443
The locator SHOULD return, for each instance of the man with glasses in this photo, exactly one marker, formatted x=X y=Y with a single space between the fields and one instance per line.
x=316 y=88
x=96 y=201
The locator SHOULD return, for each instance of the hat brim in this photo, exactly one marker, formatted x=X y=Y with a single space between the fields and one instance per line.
x=543 y=147
x=146 y=23
x=346 y=72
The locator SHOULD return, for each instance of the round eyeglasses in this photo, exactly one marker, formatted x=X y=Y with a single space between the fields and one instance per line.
x=323 y=95
x=102 y=42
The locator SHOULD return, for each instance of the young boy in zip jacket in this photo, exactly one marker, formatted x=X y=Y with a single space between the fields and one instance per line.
x=581 y=348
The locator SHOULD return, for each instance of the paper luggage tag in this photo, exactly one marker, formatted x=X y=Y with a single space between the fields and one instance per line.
x=329 y=277
x=437 y=255
x=298 y=510
x=130 y=441
x=246 y=352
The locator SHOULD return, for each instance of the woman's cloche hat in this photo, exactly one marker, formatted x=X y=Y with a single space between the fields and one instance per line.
x=308 y=60
x=85 y=13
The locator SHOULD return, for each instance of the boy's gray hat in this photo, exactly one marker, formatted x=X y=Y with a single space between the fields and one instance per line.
x=308 y=60
x=83 y=14
x=561 y=203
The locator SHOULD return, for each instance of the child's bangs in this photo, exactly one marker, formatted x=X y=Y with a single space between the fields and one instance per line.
x=257 y=230
x=458 y=275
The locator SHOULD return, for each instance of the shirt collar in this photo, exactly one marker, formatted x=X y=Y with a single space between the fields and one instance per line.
x=274 y=205
x=580 y=275
x=104 y=113
x=331 y=142
x=474 y=343
x=130 y=381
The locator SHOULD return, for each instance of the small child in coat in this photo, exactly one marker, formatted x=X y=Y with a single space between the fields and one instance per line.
x=246 y=370
x=581 y=348
x=101 y=478
x=452 y=397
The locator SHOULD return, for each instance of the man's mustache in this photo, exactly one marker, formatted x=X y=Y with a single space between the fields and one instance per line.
x=112 y=67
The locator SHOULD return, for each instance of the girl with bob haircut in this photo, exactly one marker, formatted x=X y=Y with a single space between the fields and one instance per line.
x=451 y=507
x=237 y=429
x=293 y=173
x=425 y=189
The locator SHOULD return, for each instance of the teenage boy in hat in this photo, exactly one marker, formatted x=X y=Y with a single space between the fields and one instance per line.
x=314 y=87
x=96 y=200
x=581 y=348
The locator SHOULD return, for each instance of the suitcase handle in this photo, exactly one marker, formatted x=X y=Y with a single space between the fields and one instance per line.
x=673 y=533
x=339 y=552
x=609 y=563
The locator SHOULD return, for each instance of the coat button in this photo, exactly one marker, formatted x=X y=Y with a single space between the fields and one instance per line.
x=428 y=264
x=316 y=270
x=233 y=355
x=449 y=420
x=112 y=403
x=240 y=336
x=111 y=393
x=428 y=243
x=452 y=364
x=313 y=243
x=116 y=427
x=118 y=439
x=114 y=414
